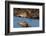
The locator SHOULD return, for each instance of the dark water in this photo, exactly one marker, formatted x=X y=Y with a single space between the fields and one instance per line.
x=32 y=22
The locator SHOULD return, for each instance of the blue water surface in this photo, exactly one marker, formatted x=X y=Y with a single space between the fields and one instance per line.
x=32 y=22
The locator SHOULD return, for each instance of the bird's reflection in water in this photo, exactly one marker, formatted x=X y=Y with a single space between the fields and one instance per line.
x=24 y=24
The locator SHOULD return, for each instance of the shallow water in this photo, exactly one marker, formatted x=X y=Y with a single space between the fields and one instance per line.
x=31 y=22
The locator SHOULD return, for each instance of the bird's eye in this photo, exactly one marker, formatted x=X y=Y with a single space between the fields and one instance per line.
x=19 y=16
